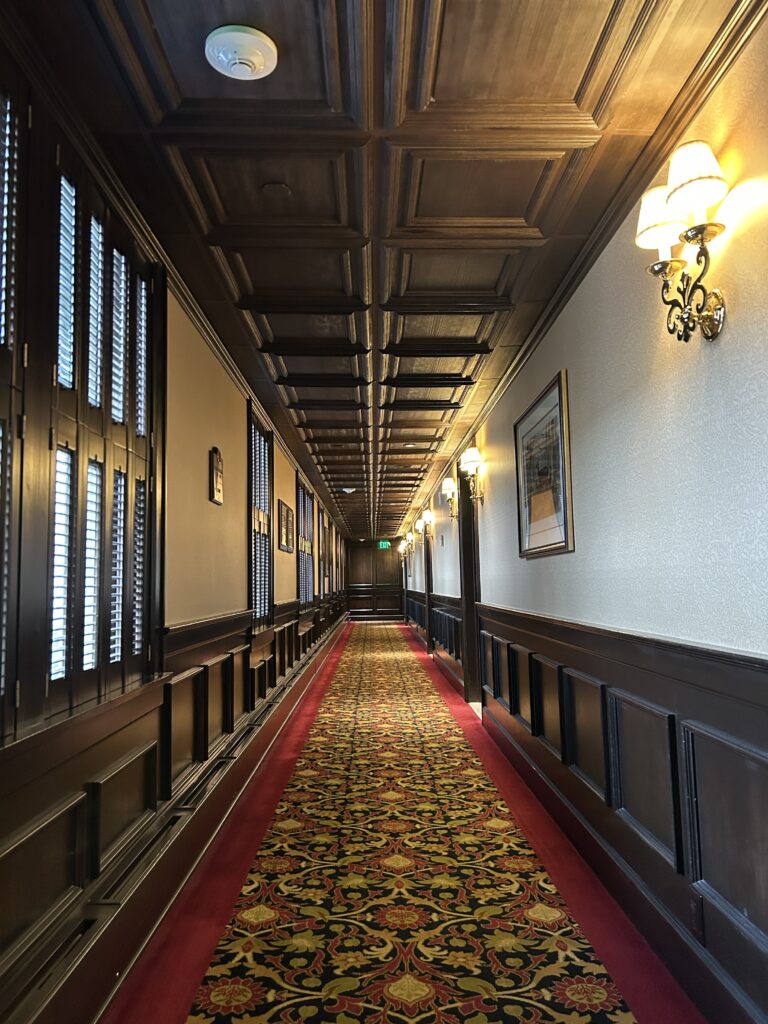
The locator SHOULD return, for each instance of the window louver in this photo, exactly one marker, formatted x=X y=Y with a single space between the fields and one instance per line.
x=96 y=313
x=92 y=564
x=139 y=559
x=306 y=562
x=117 y=569
x=119 y=335
x=141 y=358
x=67 y=282
x=62 y=561
x=261 y=561
x=5 y=466
x=8 y=185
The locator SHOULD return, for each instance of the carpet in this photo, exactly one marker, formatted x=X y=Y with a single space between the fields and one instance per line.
x=393 y=883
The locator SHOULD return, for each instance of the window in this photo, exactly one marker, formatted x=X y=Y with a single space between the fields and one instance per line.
x=117 y=575
x=8 y=186
x=261 y=541
x=67 y=281
x=5 y=466
x=61 y=576
x=306 y=504
x=95 y=312
x=139 y=565
x=92 y=564
x=120 y=301
x=141 y=357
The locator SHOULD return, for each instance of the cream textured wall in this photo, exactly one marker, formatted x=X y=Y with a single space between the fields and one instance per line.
x=285 y=562
x=206 y=564
x=445 y=551
x=416 y=579
x=669 y=441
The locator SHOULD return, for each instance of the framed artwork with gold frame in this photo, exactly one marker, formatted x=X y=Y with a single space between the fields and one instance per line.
x=285 y=532
x=543 y=459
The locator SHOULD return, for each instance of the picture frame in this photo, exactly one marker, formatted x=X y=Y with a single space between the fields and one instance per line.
x=215 y=477
x=285 y=533
x=543 y=470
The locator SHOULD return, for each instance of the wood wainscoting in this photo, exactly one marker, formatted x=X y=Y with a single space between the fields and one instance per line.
x=652 y=756
x=104 y=815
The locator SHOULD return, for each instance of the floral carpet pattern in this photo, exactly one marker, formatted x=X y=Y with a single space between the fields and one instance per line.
x=393 y=883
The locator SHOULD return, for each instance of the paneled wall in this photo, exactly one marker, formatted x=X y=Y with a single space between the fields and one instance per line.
x=206 y=568
x=670 y=520
x=416 y=568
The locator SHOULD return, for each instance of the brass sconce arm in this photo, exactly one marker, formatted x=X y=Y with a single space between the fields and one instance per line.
x=693 y=306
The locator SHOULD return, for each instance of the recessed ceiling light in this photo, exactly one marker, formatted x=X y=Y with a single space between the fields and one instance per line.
x=348 y=490
x=409 y=444
x=241 y=52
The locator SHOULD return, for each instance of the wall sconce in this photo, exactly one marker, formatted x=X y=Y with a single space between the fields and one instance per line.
x=449 y=493
x=695 y=183
x=419 y=528
x=428 y=516
x=469 y=464
x=402 y=549
x=409 y=541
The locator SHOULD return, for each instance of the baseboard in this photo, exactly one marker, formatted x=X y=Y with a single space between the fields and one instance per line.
x=695 y=969
x=83 y=980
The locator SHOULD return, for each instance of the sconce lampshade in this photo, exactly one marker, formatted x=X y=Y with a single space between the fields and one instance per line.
x=449 y=487
x=470 y=461
x=696 y=180
x=419 y=526
x=657 y=227
x=401 y=547
x=428 y=516
x=409 y=537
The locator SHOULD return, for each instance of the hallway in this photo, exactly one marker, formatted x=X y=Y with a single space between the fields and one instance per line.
x=394 y=882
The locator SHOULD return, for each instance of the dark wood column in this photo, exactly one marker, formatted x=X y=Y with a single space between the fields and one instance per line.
x=470 y=590
x=428 y=588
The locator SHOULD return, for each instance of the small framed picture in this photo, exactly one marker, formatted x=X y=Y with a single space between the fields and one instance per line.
x=542 y=450
x=215 y=477
x=285 y=524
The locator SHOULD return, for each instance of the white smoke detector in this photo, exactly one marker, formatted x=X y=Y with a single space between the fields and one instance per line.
x=239 y=51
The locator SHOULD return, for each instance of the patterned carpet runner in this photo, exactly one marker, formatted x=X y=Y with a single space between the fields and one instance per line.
x=393 y=883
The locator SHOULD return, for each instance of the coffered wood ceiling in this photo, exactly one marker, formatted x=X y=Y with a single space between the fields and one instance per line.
x=381 y=229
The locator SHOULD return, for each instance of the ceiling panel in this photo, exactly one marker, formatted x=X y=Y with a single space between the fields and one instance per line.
x=382 y=228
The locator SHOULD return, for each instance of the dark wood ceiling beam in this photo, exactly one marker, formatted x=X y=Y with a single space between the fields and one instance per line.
x=454 y=303
x=331 y=425
x=332 y=305
x=425 y=347
x=424 y=405
x=316 y=347
x=239 y=237
x=327 y=403
x=428 y=380
x=322 y=380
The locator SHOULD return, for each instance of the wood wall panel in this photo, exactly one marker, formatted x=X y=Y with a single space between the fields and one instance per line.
x=663 y=769
x=644 y=767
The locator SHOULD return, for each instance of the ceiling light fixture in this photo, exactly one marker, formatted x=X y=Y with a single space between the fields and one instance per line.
x=241 y=52
x=349 y=490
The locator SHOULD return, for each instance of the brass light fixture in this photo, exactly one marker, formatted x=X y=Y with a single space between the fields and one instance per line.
x=449 y=493
x=469 y=464
x=677 y=212
x=419 y=528
x=428 y=518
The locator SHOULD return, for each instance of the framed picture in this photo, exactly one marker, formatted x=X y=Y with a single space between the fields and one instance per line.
x=285 y=521
x=542 y=451
x=215 y=477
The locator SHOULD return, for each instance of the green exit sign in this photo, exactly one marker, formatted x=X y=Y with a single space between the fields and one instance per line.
x=384 y=544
